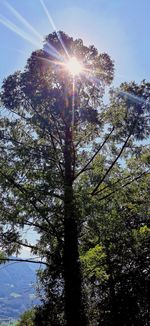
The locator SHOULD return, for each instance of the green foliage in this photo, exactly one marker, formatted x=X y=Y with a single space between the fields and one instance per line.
x=116 y=235
x=94 y=263
x=108 y=182
x=27 y=318
x=2 y=257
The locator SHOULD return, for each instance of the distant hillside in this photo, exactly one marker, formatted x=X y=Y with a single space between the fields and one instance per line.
x=17 y=291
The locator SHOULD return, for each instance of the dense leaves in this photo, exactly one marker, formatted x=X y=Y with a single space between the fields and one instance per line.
x=115 y=256
x=27 y=318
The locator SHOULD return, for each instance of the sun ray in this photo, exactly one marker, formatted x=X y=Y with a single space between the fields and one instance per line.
x=73 y=101
x=74 y=66
x=6 y=22
x=54 y=27
x=51 y=50
x=133 y=98
x=24 y=21
x=54 y=62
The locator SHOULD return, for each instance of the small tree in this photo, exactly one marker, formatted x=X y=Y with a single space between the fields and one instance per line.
x=27 y=318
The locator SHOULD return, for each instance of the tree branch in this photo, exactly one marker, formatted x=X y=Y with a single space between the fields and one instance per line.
x=22 y=190
x=26 y=223
x=18 y=242
x=92 y=158
x=126 y=184
x=43 y=119
x=24 y=261
x=94 y=192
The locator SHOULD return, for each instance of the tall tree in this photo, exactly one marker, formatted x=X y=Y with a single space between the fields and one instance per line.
x=40 y=149
x=53 y=127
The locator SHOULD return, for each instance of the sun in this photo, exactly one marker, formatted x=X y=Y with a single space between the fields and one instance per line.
x=74 y=66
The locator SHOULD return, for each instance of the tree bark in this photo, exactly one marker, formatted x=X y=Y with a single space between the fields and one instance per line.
x=72 y=275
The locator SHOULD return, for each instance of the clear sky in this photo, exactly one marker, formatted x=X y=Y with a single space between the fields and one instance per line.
x=119 y=27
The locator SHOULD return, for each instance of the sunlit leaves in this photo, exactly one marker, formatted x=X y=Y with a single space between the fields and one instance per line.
x=94 y=263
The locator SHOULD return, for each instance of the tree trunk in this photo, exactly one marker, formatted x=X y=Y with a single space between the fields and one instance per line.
x=72 y=276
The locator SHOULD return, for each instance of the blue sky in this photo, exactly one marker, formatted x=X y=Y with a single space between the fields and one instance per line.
x=119 y=27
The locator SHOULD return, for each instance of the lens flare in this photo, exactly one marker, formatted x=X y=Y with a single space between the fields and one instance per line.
x=36 y=41
x=6 y=22
x=54 y=27
x=74 y=66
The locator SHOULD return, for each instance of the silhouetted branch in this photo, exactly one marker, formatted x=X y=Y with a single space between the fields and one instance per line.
x=126 y=184
x=23 y=261
x=94 y=192
x=92 y=158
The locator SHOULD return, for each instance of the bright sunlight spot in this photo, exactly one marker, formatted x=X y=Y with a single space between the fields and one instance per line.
x=74 y=66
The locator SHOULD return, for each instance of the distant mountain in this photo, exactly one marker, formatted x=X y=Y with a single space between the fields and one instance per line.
x=17 y=288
